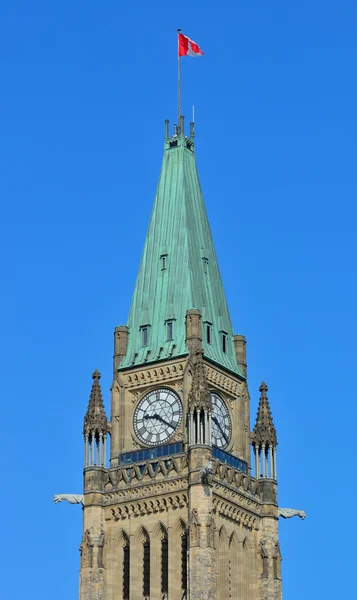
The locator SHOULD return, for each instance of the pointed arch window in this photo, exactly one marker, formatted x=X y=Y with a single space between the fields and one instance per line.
x=184 y=562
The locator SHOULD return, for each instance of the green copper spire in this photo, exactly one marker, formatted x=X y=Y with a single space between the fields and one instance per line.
x=178 y=270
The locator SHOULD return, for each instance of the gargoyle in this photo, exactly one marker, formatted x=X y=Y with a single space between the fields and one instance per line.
x=71 y=498
x=206 y=471
x=288 y=513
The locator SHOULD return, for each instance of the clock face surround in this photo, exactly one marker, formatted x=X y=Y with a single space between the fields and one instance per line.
x=221 y=422
x=157 y=416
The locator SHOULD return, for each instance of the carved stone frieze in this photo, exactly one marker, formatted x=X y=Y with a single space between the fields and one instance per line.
x=134 y=443
x=233 y=496
x=226 y=383
x=146 y=491
x=153 y=375
x=235 y=479
x=144 y=473
x=146 y=507
x=235 y=513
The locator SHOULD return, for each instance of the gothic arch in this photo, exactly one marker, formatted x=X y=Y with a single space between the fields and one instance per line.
x=222 y=534
x=159 y=558
x=121 y=538
x=159 y=532
x=178 y=542
x=119 y=562
x=233 y=541
x=249 y=568
x=141 y=535
x=179 y=527
x=222 y=564
x=141 y=559
x=234 y=565
x=246 y=544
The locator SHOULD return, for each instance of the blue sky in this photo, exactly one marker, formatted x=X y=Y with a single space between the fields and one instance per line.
x=86 y=87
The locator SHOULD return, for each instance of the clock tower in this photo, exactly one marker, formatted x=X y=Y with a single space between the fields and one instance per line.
x=172 y=507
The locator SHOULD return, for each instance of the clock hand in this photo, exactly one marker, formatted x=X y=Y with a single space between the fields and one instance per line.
x=165 y=422
x=156 y=416
x=219 y=427
x=151 y=417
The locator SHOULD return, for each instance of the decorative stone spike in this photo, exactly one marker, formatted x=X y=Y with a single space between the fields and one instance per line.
x=95 y=418
x=264 y=430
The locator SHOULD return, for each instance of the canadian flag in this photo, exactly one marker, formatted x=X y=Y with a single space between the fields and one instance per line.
x=187 y=47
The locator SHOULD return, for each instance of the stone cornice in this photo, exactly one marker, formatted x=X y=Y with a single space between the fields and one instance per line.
x=146 y=506
x=229 y=508
x=237 y=498
x=145 y=491
x=224 y=381
x=153 y=374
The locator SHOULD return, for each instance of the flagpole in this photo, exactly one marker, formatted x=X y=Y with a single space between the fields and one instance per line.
x=178 y=82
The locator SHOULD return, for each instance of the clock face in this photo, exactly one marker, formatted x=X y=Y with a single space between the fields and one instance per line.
x=221 y=422
x=157 y=416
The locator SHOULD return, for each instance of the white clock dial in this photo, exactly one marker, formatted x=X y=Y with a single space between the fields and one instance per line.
x=221 y=422
x=157 y=416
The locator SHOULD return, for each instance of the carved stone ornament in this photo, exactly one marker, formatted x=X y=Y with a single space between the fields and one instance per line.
x=288 y=513
x=264 y=555
x=210 y=530
x=154 y=375
x=134 y=443
x=145 y=507
x=71 y=498
x=146 y=491
x=222 y=381
x=199 y=395
x=195 y=528
x=86 y=549
x=236 y=514
x=101 y=543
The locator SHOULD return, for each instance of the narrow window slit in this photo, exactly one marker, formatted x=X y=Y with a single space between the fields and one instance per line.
x=126 y=572
x=224 y=342
x=170 y=331
x=164 y=567
x=144 y=336
x=163 y=259
x=184 y=562
x=146 y=573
